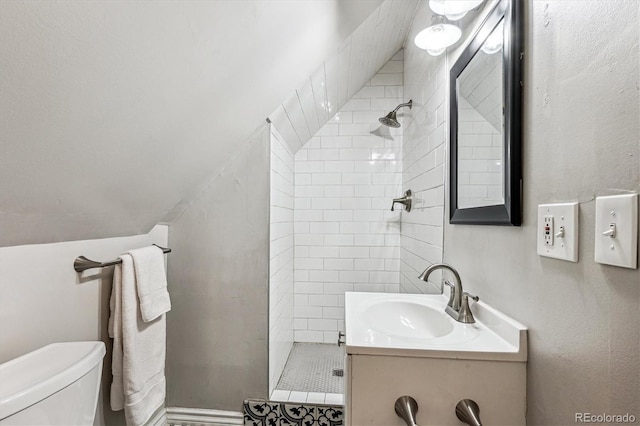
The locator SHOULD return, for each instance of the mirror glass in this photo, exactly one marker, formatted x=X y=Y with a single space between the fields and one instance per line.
x=481 y=126
x=485 y=131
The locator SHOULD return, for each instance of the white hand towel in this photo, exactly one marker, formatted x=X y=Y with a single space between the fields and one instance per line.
x=115 y=332
x=151 y=281
x=138 y=361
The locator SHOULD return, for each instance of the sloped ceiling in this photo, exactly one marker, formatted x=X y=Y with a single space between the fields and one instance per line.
x=112 y=112
x=342 y=74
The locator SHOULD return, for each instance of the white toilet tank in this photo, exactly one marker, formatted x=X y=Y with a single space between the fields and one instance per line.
x=54 y=385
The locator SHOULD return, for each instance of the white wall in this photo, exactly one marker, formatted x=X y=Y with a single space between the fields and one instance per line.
x=580 y=139
x=280 y=256
x=43 y=300
x=346 y=237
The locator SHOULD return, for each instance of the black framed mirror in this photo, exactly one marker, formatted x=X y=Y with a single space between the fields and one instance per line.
x=485 y=98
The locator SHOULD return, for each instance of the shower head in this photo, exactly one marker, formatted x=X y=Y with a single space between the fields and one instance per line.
x=390 y=119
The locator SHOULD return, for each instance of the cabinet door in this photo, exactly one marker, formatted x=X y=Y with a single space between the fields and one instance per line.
x=375 y=382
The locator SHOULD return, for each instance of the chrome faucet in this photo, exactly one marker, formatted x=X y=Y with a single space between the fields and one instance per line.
x=458 y=306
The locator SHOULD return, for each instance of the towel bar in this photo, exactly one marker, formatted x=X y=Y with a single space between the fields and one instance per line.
x=82 y=263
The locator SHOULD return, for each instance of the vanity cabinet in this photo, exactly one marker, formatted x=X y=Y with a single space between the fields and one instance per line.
x=374 y=382
x=405 y=344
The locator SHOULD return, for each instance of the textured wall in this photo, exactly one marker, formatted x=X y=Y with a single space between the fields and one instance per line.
x=346 y=237
x=280 y=256
x=581 y=129
x=122 y=100
x=43 y=300
x=218 y=279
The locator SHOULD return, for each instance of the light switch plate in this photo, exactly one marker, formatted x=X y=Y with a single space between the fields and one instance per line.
x=557 y=231
x=616 y=239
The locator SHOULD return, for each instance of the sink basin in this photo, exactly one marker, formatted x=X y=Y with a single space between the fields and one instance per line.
x=407 y=319
x=416 y=325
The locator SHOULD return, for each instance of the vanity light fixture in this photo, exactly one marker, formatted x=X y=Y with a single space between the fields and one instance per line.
x=436 y=38
x=453 y=9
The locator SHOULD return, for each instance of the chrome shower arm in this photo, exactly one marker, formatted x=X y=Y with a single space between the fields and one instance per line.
x=406 y=104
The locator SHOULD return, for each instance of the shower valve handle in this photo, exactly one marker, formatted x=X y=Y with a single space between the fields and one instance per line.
x=406 y=201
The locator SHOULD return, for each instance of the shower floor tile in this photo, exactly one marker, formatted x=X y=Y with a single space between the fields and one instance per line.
x=310 y=369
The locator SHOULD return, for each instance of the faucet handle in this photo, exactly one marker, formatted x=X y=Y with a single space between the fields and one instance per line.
x=465 y=315
x=470 y=296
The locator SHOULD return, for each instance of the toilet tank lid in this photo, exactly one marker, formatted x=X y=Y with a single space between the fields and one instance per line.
x=35 y=376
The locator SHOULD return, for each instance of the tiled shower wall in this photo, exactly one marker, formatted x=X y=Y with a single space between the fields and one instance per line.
x=346 y=237
x=423 y=162
x=280 y=257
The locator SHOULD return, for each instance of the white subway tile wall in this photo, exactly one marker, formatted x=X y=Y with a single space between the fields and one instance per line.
x=423 y=162
x=281 y=257
x=346 y=237
x=339 y=79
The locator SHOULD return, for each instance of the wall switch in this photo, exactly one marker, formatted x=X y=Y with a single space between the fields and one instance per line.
x=558 y=231
x=616 y=240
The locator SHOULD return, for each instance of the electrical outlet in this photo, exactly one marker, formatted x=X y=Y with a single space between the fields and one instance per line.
x=557 y=231
x=548 y=230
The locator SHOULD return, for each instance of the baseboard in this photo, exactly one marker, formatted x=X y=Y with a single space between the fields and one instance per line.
x=159 y=418
x=179 y=416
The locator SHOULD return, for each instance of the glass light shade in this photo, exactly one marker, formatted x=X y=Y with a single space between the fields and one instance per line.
x=493 y=43
x=453 y=9
x=436 y=52
x=436 y=38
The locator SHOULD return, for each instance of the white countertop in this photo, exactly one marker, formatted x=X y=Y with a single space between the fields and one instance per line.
x=493 y=336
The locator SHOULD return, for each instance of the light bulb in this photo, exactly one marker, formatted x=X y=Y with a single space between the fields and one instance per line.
x=436 y=52
x=455 y=16
x=436 y=38
x=453 y=9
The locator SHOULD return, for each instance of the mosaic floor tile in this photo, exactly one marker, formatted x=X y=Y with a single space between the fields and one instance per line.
x=261 y=413
x=310 y=368
x=311 y=415
x=267 y=413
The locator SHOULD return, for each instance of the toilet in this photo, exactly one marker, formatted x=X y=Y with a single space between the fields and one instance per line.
x=54 y=385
